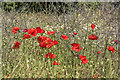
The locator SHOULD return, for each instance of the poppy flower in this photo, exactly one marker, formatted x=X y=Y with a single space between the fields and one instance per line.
x=26 y=36
x=65 y=37
x=56 y=63
x=82 y=57
x=55 y=42
x=16 y=46
x=16 y=28
x=46 y=55
x=17 y=43
x=75 y=33
x=50 y=32
x=14 y=31
x=32 y=31
x=98 y=52
x=43 y=44
x=25 y=30
x=76 y=47
x=110 y=48
x=41 y=38
x=46 y=42
x=49 y=45
x=39 y=30
x=84 y=61
x=92 y=37
x=92 y=26
x=52 y=55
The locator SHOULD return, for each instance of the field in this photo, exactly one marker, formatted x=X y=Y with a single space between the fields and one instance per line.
x=29 y=60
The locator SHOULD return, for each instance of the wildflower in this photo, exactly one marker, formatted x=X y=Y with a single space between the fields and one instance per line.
x=51 y=55
x=83 y=59
x=110 y=48
x=75 y=33
x=25 y=30
x=98 y=52
x=92 y=37
x=76 y=47
x=26 y=36
x=16 y=28
x=14 y=31
x=16 y=46
x=32 y=31
x=65 y=37
x=55 y=42
x=50 y=32
x=92 y=26
x=39 y=30
x=56 y=63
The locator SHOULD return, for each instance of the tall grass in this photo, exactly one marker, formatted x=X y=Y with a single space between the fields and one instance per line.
x=29 y=61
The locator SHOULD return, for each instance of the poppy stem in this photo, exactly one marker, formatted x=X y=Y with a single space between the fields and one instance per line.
x=110 y=62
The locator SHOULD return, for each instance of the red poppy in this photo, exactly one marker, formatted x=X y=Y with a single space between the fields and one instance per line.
x=25 y=30
x=76 y=47
x=52 y=55
x=32 y=31
x=46 y=42
x=92 y=26
x=82 y=57
x=54 y=63
x=14 y=31
x=57 y=63
x=110 y=48
x=55 y=42
x=49 y=40
x=50 y=32
x=49 y=45
x=92 y=37
x=16 y=28
x=17 y=43
x=16 y=46
x=84 y=61
x=65 y=37
x=26 y=36
x=75 y=33
x=41 y=38
x=98 y=52
x=46 y=55
x=43 y=44
x=39 y=30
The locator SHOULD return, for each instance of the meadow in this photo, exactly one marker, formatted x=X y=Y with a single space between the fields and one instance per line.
x=29 y=60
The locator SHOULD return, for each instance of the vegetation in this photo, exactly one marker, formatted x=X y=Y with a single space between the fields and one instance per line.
x=29 y=60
